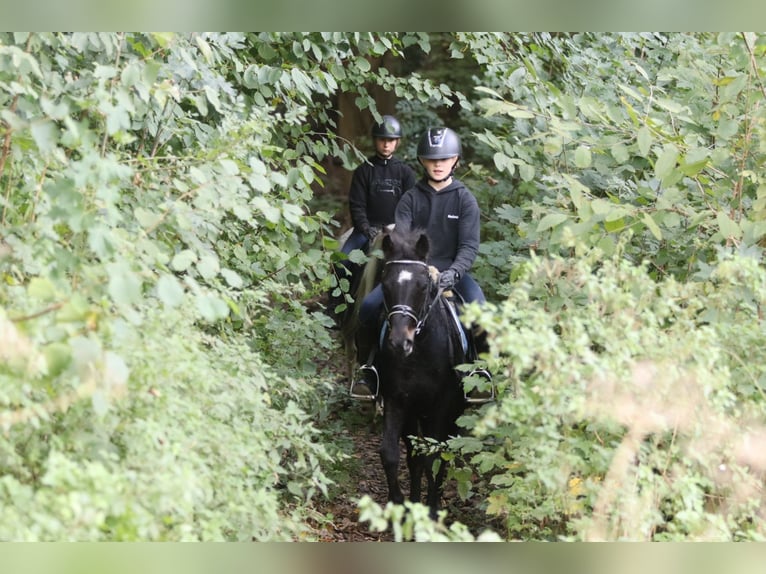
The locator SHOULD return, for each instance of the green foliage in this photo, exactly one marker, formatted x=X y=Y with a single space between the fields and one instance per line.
x=162 y=351
x=158 y=351
x=628 y=350
x=660 y=135
x=631 y=408
x=411 y=522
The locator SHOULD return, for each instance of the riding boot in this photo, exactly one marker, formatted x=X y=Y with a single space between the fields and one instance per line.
x=365 y=383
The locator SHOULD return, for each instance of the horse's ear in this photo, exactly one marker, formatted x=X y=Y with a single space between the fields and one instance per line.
x=422 y=246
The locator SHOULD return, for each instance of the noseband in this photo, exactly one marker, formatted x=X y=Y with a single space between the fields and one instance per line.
x=406 y=310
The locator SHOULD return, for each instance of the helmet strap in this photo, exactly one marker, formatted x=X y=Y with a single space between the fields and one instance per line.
x=439 y=180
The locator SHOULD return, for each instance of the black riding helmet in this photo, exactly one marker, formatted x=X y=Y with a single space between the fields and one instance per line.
x=440 y=143
x=388 y=128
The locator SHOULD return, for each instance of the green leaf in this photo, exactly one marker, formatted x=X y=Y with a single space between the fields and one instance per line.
x=620 y=153
x=183 y=260
x=552 y=145
x=163 y=38
x=58 y=356
x=666 y=162
x=614 y=225
x=575 y=193
x=644 y=139
x=99 y=403
x=582 y=157
x=260 y=182
x=41 y=288
x=362 y=64
x=45 y=134
x=270 y=212
x=503 y=162
x=527 y=171
x=208 y=266
x=652 y=225
x=728 y=227
x=169 y=290
x=73 y=310
x=116 y=371
x=146 y=218
x=357 y=256
x=695 y=160
x=617 y=212
x=232 y=278
x=727 y=128
x=212 y=97
x=204 y=47
x=124 y=284
x=211 y=308
x=551 y=220
x=601 y=206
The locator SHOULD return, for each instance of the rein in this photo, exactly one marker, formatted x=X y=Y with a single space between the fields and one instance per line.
x=406 y=310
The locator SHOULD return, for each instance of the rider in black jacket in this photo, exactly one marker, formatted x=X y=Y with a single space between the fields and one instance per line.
x=376 y=187
x=450 y=217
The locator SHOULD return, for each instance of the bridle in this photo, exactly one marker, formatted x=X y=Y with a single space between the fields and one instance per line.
x=421 y=316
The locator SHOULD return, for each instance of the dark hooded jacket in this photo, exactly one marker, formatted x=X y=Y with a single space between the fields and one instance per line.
x=376 y=187
x=450 y=217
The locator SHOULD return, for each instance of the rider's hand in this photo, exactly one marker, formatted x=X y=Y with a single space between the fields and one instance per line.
x=372 y=232
x=448 y=278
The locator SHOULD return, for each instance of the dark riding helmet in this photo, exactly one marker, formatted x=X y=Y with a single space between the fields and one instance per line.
x=388 y=128
x=439 y=143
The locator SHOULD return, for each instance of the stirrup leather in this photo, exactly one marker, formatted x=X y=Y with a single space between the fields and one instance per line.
x=371 y=397
x=483 y=399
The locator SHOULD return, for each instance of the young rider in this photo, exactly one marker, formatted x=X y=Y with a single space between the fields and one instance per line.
x=376 y=187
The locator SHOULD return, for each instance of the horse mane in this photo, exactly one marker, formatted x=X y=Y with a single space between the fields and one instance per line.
x=368 y=279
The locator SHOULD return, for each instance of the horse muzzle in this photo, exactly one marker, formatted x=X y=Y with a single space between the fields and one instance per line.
x=402 y=340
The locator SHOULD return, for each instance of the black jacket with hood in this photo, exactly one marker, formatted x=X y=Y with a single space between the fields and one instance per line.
x=376 y=187
x=450 y=217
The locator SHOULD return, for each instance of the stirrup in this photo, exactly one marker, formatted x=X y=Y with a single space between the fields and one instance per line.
x=366 y=397
x=478 y=400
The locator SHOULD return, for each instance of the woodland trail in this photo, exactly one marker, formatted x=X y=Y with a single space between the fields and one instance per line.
x=360 y=429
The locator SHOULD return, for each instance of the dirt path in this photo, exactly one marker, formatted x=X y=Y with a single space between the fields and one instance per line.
x=361 y=431
x=365 y=477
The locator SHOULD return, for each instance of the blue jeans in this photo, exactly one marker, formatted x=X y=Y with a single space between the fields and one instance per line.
x=357 y=240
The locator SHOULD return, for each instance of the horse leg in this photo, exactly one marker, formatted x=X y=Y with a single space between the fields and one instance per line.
x=414 y=462
x=435 y=482
x=393 y=420
x=440 y=427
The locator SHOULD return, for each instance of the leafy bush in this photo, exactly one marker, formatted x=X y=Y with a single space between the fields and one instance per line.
x=631 y=408
x=162 y=258
x=159 y=253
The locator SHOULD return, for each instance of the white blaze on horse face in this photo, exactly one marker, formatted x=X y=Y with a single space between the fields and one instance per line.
x=404 y=276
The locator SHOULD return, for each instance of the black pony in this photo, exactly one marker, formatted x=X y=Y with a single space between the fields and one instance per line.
x=419 y=385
